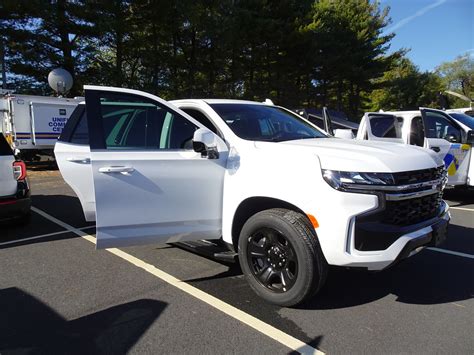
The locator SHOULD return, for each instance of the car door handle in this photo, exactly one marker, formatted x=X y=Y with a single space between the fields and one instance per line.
x=116 y=169
x=79 y=160
x=436 y=149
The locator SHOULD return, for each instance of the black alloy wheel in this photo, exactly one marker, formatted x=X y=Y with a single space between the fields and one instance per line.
x=280 y=256
x=272 y=259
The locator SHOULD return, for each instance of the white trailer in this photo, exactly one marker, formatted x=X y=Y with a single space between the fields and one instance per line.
x=32 y=124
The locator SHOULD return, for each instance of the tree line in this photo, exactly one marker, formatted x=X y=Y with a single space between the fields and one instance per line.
x=295 y=52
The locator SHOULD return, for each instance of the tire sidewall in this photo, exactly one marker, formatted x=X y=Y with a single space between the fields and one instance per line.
x=305 y=259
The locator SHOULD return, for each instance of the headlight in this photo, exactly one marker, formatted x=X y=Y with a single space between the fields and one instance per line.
x=344 y=180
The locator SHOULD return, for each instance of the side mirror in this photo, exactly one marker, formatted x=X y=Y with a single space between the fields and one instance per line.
x=470 y=137
x=451 y=138
x=344 y=133
x=204 y=142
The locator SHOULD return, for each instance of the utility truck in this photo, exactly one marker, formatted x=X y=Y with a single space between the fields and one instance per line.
x=257 y=181
x=449 y=134
x=32 y=124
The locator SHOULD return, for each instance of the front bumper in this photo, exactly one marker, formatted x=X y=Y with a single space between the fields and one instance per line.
x=16 y=205
x=430 y=233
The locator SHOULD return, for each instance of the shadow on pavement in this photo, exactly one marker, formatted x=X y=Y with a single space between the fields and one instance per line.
x=30 y=326
x=460 y=239
x=428 y=278
x=42 y=165
x=462 y=197
x=66 y=208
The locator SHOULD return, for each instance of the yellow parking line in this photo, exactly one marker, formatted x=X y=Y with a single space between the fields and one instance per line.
x=255 y=323
x=452 y=252
x=41 y=236
x=462 y=209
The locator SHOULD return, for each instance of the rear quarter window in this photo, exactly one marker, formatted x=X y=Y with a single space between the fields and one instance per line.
x=5 y=148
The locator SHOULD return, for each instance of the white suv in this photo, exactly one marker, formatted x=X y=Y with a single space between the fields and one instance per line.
x=14 y=190
x=258 y=178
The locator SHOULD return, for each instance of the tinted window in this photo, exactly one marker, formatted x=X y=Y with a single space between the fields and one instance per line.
x=5 y=148
x=385 y=126
x=201 y=118
x=439 y=126
x=81 y=134
x=463 y=118
x=317 y=122
x=265 y=123
x=133 y=122
x=417 y=132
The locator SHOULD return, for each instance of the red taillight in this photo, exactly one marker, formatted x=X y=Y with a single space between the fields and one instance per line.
x=19 y=170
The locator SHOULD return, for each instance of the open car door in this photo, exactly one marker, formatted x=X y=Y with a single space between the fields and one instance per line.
x=445 y=137
x=150 y=185
x=382 y=127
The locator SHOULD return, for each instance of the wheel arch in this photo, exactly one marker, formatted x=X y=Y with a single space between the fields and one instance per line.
x=253 y=205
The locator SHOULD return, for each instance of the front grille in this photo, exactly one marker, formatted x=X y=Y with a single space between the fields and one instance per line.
x=412 y=211
x=417 y=176
x=399 y=213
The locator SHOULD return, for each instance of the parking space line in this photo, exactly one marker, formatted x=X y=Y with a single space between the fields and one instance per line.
x=462 y=209
x=41 y=236
x=452 y=252
x=253 y=322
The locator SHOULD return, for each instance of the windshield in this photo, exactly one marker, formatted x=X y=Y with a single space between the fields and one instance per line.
x=265 y=123
x=464 y=119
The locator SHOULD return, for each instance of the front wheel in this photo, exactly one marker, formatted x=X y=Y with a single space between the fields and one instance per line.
x=281 y=257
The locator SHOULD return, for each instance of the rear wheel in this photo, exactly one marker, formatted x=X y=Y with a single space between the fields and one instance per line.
x=281 y=257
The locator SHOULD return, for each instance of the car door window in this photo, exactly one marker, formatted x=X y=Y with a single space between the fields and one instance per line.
x=417 y=132
x=80 y=135
x=133 y=122
x=385 y=126
x=4 y=146
x=202 y=118
x=439 y=126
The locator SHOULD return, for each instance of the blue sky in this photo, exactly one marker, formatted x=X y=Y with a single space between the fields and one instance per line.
x=436 y=31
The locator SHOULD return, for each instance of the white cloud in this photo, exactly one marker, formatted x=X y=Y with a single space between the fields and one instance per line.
x=410 y=18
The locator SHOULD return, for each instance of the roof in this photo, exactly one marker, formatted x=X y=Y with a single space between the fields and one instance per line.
x=218 y=101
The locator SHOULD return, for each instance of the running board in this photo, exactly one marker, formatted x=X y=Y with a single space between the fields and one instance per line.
x=211 y=249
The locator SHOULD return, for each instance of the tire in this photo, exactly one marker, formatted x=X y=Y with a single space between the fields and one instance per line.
x=281 y=258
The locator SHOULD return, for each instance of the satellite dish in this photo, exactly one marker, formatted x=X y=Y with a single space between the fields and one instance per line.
x=60 y=80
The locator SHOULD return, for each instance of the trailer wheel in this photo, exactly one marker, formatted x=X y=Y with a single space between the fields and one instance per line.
x=281 y=257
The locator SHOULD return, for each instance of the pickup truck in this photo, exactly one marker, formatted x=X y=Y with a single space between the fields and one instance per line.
x=264 y=183
x=450 y=134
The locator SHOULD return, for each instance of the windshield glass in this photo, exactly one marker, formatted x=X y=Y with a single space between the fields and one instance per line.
x=464 y=119
x=265 y=123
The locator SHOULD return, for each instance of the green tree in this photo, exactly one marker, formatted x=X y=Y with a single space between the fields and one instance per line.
x=349 y=51
x=48 y=35
x=404 y=87
x=458 y=76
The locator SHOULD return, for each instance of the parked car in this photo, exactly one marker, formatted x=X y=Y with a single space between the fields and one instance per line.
x=269 y=185
x=14 y=190
x=449 y=134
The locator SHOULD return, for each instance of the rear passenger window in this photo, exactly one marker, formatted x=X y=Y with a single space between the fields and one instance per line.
x=386 y=126
x=5 y=148
x=201 y=118
x=81 y=133
x=132 y=122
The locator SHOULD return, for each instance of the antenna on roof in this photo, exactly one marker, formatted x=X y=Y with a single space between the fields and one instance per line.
x=268 y=102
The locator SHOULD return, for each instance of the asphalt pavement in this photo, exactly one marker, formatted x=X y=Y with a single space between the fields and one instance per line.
x=59 y=295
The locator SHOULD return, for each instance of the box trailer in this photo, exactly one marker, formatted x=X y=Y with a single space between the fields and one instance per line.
x=32 y=124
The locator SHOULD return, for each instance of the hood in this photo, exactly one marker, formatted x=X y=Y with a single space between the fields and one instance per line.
x=368 y=156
